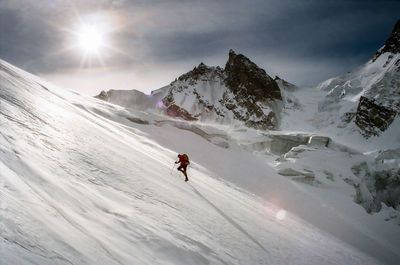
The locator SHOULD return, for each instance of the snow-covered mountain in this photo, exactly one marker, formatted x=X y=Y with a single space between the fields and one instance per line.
x=358 y=111
x=356 y=114
x=130 y=98
x=83 y=182
x=366 y=100
x=368 y=97
x=241 y=93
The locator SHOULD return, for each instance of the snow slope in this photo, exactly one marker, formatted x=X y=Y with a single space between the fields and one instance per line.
x=132 y=98
x=81 y=184
x=377 y=79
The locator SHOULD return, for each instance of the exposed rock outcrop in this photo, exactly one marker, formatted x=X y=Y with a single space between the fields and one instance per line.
x=245 y=78
x=373 y=119
x=176 y=111
x=253 y=90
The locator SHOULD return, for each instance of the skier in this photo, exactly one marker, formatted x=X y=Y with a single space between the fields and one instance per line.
x=184 y=160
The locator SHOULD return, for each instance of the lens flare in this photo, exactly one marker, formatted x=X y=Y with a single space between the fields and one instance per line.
x=280 y=215
x=160 y=105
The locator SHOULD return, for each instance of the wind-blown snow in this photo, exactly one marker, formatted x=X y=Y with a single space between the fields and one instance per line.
x=81 y=184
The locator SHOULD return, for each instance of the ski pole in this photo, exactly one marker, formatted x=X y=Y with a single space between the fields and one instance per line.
x=172 y=169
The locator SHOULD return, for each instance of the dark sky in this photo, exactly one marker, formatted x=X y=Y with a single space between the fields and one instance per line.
x=149 y=43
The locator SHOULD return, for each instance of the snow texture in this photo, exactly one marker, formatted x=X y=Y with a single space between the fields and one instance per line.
x=83 y=184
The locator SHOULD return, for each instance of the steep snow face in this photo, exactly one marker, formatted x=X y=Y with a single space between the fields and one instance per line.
x=81 y=184
x=378 y=81
x=200 y=92
x=354 y=84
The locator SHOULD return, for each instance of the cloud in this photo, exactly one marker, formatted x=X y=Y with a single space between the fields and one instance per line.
x=303 y=40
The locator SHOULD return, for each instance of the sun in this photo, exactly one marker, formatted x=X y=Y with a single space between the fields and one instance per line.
x=90 y=39
x=91 y=36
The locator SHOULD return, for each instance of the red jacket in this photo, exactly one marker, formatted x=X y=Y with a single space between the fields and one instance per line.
x=182 y=160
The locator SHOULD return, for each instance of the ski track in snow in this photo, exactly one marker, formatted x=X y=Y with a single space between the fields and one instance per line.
x=78 y=188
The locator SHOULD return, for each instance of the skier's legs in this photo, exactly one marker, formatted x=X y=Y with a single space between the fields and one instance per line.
x=180 y=168
x=184 y=173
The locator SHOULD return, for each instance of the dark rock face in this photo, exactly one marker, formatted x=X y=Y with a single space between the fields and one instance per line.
x=392 y=44
x=250 y=85
x=245 y=78
x=373 y=119
x=250 y=91
x=176 y=111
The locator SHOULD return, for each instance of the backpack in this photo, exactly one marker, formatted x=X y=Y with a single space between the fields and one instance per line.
x=185 y=158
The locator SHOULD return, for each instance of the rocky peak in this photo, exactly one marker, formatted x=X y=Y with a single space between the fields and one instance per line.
x=198 y=71
x=392 y=44
x=373 y=119
x=103 y=95
x=245 y=77
x=241 y=89
x=240 y=93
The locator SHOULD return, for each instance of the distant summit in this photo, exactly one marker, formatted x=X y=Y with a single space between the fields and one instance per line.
x=241 y=93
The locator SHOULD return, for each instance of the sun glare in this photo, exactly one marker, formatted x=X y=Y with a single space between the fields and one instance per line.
x=90 y=39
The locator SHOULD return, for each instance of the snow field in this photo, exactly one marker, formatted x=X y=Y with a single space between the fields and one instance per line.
x=78 y=188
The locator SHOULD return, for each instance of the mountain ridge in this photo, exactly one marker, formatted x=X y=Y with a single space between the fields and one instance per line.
x=240 y=93
x=373 y=86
